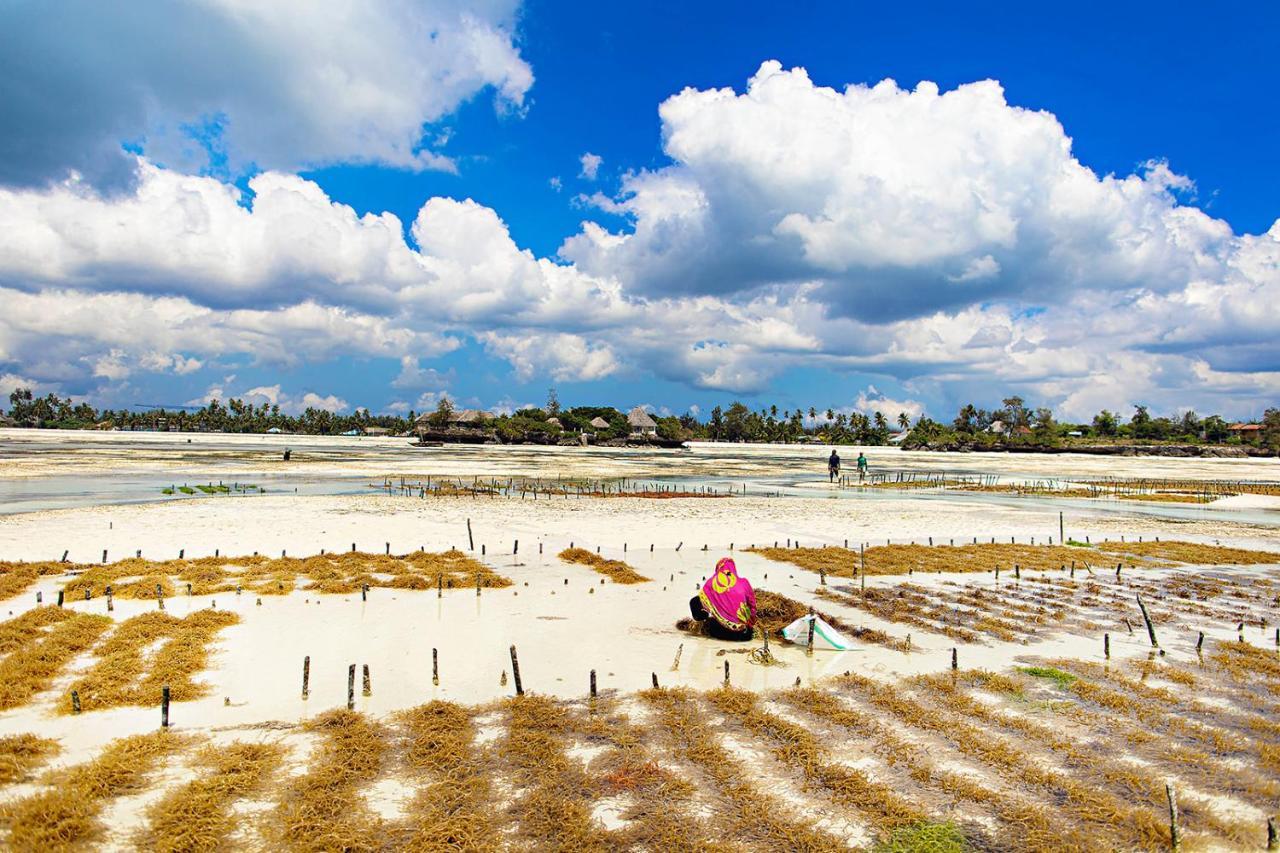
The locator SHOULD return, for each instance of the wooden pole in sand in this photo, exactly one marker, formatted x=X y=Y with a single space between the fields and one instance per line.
x=655 y=680
x=470 y=541
x=306 y=676
x=1151 y=631
x=164 y=707
x=435 y=667
x=809 y=645
x=955 y=658
x=515 y=671
x=1175 y=834
x=351 y=687
x=61 y=596
x=1273 y=841
x=75 y=701
x=1106 y=646
x=367 y=683
x=726 y=673
x=593 y=684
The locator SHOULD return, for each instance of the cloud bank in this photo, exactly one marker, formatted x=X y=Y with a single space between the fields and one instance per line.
x=946 y=240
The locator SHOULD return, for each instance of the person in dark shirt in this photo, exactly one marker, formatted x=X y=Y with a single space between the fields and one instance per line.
x=833 y=466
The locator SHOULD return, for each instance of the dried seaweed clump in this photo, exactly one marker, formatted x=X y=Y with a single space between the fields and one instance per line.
x=555 y=809
x=617 y=570
x=37 y=645
x=798 y=747
x=126 y=675
x=323 y=809
x=198 y=815
x=456 y=808
x=750 y=816
x=18 y=577
x=901 y=559
x=1191 y=553
x=20 y=754
x=66 y=817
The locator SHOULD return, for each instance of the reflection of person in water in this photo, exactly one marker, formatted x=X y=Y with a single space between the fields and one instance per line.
x=727 y=603
x=833 y=466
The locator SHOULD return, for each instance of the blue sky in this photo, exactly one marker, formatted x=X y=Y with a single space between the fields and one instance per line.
x=1093 y=231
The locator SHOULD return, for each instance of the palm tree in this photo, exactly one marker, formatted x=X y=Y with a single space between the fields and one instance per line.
x=904 y=420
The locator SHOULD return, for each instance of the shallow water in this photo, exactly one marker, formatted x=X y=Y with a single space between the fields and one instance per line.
x=50 y=469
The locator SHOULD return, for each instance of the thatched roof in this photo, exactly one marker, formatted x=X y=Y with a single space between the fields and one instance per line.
x=555 y=422
x=463 y=416
x=376 y=430
x=599 y=423
x=638 y=417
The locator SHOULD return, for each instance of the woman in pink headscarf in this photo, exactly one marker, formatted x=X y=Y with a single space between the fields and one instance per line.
x=727 y=603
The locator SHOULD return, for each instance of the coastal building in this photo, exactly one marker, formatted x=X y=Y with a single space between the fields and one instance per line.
x=468 y=418
x=599 y=423
x=640 y=422
x=1246 y=432
x=459 y=418
x=376 y=430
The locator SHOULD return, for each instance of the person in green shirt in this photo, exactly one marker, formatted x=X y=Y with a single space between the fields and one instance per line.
x=862 y=467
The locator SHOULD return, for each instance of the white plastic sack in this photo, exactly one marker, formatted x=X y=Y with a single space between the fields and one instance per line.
x=798 y=632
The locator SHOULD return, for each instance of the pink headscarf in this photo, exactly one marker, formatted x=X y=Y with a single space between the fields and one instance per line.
x=728 y=597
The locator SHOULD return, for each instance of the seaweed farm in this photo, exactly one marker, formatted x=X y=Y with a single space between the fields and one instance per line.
x=1023 y=697
x=481 y=660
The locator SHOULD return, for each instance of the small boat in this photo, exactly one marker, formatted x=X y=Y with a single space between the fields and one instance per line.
x=426 y=444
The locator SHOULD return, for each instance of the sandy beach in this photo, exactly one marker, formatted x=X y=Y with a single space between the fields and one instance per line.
x=566 y=620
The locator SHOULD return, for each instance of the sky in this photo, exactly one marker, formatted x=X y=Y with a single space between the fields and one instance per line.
x=846 y=206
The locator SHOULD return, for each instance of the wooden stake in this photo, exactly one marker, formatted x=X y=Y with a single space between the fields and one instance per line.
x=435 y=666
x=351 y=687
x=1175 y=834
x=75 y=701
x=1106 y=646
x=726 y=673
x=164 y=707
x=593 y=684
x=955 y=658
x=61 y=595
x=1273 y=842
x=368 y=683
x=655 y=680
x=515 y=671
x=306 y=676
x=1151 y=631
x=675 y=666
x=1200 y=642
x=809 y=645
x=471 y=542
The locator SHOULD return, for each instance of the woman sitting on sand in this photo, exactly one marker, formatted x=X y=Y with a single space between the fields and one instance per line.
x=726 y=604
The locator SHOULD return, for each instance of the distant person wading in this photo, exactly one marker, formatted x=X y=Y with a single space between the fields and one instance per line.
x=833 y=466
x=862 y=467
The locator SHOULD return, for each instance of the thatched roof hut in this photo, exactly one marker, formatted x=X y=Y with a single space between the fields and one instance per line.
x=641 y=423
x=599 y=423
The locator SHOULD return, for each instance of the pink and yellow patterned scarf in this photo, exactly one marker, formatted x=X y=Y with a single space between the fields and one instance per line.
x=728 y=597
